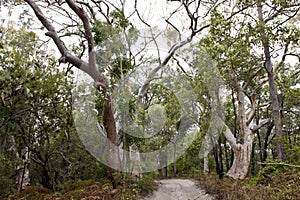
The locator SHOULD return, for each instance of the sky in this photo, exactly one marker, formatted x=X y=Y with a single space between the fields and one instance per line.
x=154 y=12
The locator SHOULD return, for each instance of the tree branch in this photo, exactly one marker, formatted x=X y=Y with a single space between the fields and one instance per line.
x=66 y=56
x=252 y=77
x=261 y=124
x=284 y=164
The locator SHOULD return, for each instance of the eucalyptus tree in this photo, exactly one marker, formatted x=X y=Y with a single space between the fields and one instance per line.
x=95 y=21
x=249 y=48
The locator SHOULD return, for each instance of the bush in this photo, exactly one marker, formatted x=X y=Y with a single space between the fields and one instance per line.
x=272 y=183
x=146 y=185
x=6 y=174
x=266 y=175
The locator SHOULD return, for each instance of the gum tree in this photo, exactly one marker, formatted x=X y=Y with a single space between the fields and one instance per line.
x=80 y=20
x=249 y=48
x=82 y=16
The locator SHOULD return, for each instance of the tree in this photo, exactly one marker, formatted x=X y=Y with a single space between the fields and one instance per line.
x=86 y=13
x=245 y=71
x=114 y=16
x=36 y=126
x=16 y=96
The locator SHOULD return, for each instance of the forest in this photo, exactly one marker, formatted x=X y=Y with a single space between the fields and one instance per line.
x=160 y=99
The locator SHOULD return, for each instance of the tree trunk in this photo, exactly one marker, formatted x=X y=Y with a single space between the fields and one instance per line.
x=221 y=174
x=166 y=162
x=174 y=157
x=110 y=127
x=21 y=161
x=226 y=157
x=235 y=129
x=22 y=169
x=272 y=86
x=258 y=134
x=266 y=141
x=206 y=164
x=252 y=170
x=242 y=151
x=215 y=150
x=241 y=162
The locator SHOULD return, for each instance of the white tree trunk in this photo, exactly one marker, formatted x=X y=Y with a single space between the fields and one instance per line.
x=242 y=152
x=22 y=169
x=241 y=162
x=21 y=163
x=206 y=165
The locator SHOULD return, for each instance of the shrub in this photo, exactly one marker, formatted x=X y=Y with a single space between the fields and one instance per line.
x=6 y=174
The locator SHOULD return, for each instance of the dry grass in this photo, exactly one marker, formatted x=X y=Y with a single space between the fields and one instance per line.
x=273 y=187
x=88 y=190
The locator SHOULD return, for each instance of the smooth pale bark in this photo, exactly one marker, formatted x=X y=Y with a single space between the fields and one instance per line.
x=22 y=169
x=206 y=163
x=242 y=159
x=242 y=150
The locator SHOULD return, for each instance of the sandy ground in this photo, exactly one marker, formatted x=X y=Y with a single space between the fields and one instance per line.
x=178 y=189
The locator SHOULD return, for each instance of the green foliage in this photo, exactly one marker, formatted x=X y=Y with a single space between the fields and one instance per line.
x=102 y=31
x=36 y=111
x=269 y=172
x=118 y=18
x=36 y=105
x=142 y=187
x=88 y=189
x=283 y=185
x=74 y=185
x=119 y=68
x=293 y=154
x=108 y=30
x=6 y=174
x=146 y=185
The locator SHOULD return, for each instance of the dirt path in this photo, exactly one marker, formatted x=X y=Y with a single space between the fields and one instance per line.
x=178 y=189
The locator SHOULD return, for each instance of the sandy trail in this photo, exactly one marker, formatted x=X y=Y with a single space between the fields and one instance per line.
x=178 y=189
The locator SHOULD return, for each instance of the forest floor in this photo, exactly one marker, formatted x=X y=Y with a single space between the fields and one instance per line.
x=178 y=189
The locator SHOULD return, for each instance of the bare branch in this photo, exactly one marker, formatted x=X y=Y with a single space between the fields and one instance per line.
x=284 y=164
x=227 y=133
x=261 y=124
x=163 y=63
x=66 y=56
x=86 y=24
x=139 y=16
x=252 y=77
x=251 y=115
x=292 y=54
x=105 y=15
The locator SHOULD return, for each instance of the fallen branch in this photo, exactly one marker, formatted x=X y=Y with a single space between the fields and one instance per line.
x=285 y=164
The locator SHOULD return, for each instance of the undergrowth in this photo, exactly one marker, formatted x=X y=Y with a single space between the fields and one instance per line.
x=89 y=190
x=271 y=183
